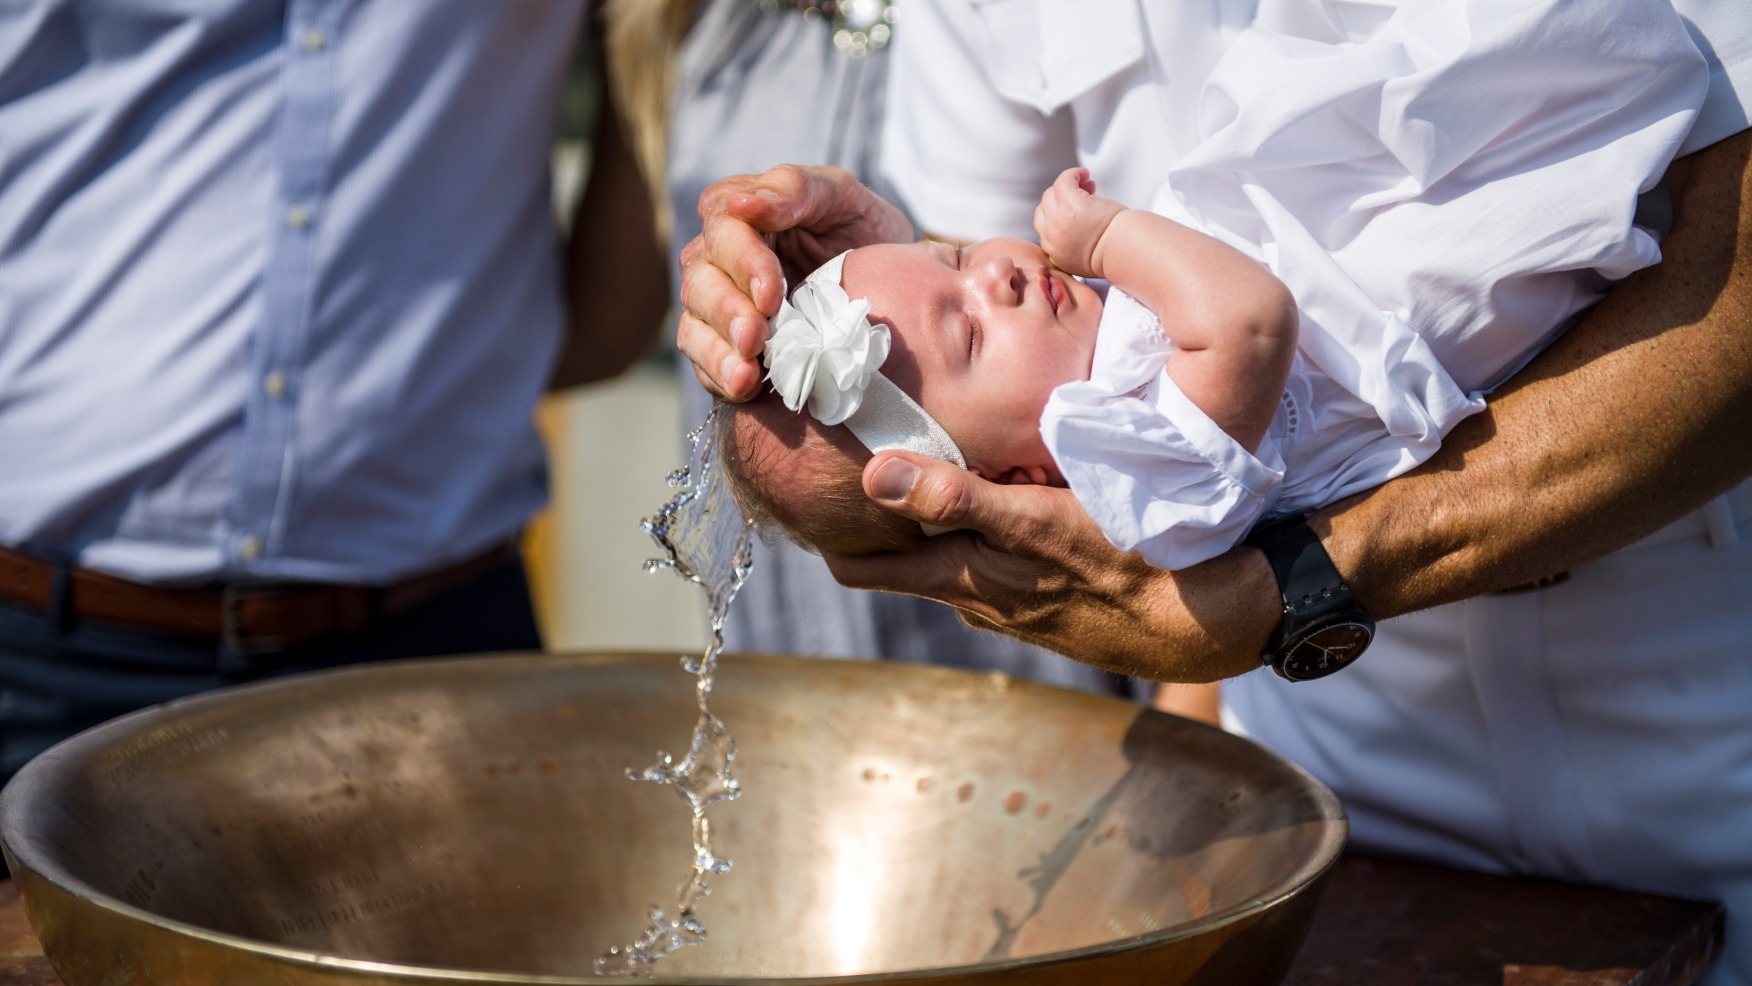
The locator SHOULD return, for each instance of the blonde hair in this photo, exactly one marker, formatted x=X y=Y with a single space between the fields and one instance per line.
x=792 y=475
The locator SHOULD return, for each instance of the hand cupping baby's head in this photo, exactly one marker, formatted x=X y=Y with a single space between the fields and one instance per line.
x=795 y=454
x=861 y=349
x=795 y=476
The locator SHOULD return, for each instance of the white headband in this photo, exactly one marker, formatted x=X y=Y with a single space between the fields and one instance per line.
x=824 y=349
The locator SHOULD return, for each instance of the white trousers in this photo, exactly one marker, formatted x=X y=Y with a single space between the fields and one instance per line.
x=1597 y=731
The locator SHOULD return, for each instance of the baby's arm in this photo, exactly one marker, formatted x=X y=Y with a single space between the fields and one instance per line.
x=1232 y=321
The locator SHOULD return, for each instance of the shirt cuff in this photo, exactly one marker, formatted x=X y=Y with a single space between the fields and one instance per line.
x=1159 y=477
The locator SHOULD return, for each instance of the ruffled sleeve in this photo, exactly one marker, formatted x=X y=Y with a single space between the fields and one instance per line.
x=1152 y=469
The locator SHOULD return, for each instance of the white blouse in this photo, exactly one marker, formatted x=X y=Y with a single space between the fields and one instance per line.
x=1442 y=197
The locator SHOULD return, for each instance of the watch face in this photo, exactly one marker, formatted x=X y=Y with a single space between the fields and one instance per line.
x=1327 y=649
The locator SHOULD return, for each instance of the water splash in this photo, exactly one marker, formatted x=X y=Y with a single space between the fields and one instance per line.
x=705 y=540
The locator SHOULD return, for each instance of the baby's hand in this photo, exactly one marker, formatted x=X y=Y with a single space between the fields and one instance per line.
x=1071 y=219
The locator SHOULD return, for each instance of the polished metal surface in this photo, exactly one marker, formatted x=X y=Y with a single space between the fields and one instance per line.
x=468 y=821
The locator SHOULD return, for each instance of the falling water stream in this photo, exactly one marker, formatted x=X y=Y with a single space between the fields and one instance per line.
x=705 y=540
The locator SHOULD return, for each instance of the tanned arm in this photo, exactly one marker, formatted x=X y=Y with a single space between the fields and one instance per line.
x=1637 y=415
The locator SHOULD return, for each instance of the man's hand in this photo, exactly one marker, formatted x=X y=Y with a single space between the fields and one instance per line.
x=1071 y=220
x=758 y=232
x=1029 y=562
x=1553 y=475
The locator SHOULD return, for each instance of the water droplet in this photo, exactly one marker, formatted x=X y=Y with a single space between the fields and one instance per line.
x=705 y=540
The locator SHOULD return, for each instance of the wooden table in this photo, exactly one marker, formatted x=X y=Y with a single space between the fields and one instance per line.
x=1390 y=923
x=1386 y=924
x=21 y=961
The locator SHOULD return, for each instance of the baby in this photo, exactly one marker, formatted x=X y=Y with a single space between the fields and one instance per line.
x=1320 y=291
x=978 y=338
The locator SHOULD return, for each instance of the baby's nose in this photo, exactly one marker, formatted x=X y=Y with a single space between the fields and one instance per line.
x=1003 y=280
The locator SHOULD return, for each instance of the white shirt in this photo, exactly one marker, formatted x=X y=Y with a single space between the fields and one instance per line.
x=989 y=101
x=279 y=287
x=1440 y=197
x=1595 y=731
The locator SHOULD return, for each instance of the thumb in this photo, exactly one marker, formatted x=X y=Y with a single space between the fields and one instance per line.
x=1017 y=519
x=925 y=489
x=945 y=495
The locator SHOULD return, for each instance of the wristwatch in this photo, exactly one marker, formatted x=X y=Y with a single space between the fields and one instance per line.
x=1324 y=628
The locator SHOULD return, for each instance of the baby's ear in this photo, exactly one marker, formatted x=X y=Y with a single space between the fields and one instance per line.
x=1026 y=476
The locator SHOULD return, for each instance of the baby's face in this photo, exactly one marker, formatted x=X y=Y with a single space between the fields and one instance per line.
x=981 y=337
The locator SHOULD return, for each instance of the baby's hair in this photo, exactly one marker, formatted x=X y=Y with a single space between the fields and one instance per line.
x=790 y=473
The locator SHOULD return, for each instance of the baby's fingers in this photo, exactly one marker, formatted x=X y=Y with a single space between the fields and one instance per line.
x=1046 y=229
x=1074 y=180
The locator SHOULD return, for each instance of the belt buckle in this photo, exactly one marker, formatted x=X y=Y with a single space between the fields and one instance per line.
x=231 y=629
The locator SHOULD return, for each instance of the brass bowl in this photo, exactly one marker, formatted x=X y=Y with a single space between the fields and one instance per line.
x=468 y=821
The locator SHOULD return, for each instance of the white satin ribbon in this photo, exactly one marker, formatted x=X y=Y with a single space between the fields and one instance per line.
x=825 y=352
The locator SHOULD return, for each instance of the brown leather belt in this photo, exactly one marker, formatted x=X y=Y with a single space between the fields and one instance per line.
x=251 y=619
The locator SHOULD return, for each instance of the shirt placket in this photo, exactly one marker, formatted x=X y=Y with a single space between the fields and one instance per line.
x=268 y=462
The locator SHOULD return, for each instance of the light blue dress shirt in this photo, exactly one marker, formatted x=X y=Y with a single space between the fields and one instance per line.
x=279 y=281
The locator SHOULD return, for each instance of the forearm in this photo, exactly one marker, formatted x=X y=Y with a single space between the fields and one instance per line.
x=1205 y=291
x=1637 y=415
x=617 y=280
x=1198 y=625
x=1232 y=322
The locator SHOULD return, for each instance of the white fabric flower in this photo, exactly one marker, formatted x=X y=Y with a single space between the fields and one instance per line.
x=824 y=350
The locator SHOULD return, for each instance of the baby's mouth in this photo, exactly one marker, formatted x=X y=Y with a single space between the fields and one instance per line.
x=1052 y=289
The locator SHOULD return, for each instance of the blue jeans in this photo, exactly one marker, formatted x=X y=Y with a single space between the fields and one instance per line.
x=57 y=680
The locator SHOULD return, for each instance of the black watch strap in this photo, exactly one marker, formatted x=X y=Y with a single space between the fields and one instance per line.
x=1313 y=594
x=1303 y=568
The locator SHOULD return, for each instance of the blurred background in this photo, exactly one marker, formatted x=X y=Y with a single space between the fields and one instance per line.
x=610 y=444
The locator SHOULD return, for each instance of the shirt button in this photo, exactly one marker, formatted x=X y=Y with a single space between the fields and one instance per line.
x=250 y=547
x=298 y=217
x=313 y=41
x=274 y=384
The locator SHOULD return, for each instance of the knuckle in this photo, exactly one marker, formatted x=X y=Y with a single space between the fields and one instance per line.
x=688 y=334
x=1037 y=533
x=711 y=199
x=949 y=501
x=788 y=177
x=714 y=199
x=692 y=288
